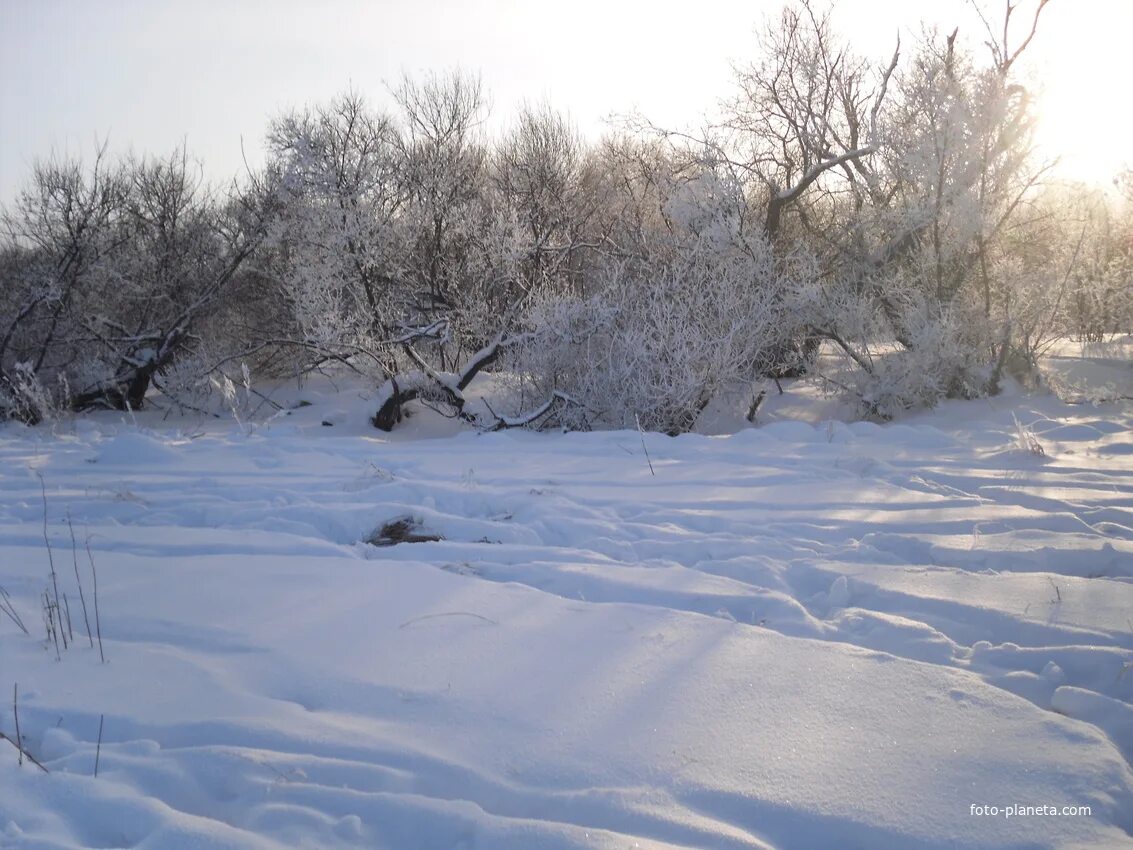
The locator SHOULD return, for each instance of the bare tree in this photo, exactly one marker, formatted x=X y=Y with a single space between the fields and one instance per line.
x=804 y=112
x=445 y=160
x=929 y=253
x=183 y=247
x=58 y=237
x=113 y=268
x=538 y=171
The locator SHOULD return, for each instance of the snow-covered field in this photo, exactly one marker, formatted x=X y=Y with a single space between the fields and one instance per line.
x=799 y=635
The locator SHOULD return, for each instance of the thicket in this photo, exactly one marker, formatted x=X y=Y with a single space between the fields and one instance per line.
x=893 y=213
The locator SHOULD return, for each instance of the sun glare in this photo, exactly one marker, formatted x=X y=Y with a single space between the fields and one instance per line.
x=1080 y=68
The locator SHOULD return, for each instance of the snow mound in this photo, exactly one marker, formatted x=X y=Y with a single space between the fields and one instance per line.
x=134 y=448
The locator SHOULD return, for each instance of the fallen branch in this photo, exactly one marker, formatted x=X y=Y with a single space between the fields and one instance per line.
x=25 y=753
x=427 y=381
x=557 y=400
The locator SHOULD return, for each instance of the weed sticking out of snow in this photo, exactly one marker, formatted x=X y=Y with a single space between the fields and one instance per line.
x=1025 y=439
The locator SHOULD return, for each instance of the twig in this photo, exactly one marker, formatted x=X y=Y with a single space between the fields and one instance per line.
x=98 y=746
x=16 y=713
x=24 y=752
x=637 y=419
x=447 y=614
x=97 y=620
x=7 y=608
x=79 y=581
x=266 y=400
x=67 y=611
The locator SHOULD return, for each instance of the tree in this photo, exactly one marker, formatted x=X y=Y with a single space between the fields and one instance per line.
x=181 y=250
x=800 y=113
x=538 y=173
x=111 y=271
x=57 y=240
x=927 y=253
x=336 y=185
x=445 y=162
x=684 y=303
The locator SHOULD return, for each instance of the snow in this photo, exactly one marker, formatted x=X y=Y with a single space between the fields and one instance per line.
x=796 y=635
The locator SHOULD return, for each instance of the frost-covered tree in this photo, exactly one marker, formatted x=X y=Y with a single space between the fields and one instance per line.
x=335 y=187
x=793 y=144
x=539 y=174
x=444 y=160
x=925 y=253
x=57 y=239
x=388 y=249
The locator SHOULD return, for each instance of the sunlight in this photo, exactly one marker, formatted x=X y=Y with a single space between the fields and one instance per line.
x=1083 y=112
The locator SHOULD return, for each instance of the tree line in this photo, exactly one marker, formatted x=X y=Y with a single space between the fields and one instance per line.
x=892 y=214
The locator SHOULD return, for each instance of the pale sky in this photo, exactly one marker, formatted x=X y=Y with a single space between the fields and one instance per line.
x=146 y=74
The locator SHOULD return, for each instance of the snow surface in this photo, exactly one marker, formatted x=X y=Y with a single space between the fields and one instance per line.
x=800 y=635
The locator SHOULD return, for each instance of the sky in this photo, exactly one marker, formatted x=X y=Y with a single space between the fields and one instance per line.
x=145 y=75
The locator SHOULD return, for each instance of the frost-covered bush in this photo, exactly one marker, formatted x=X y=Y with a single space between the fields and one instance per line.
x=946 y=359
x=907 y=353
x=662 y=336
